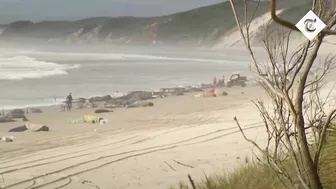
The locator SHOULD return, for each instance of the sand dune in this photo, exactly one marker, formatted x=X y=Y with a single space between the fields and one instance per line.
x=234 y=37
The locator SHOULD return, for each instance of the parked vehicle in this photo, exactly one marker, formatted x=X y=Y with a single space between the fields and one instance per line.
x=236 y=80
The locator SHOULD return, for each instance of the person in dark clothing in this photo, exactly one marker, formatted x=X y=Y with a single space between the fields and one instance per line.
x=69 y=102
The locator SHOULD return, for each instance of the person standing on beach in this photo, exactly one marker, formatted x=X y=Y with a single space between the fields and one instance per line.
x=69 y=101
x=214 y=80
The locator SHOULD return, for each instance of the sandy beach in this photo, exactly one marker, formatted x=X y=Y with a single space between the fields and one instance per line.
x=153 y=147
x=143 y=147
x=150 y=148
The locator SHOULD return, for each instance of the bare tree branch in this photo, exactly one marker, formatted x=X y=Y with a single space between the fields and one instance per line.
x=323 y=135
x=297 y=111
x=291 y=25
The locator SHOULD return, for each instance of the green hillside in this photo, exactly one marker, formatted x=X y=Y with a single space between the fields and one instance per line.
x=203 y=25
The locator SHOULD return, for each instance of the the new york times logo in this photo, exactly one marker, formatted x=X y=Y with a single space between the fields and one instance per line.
x=310 y=25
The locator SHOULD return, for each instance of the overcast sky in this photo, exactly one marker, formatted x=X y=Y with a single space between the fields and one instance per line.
x=37 y=10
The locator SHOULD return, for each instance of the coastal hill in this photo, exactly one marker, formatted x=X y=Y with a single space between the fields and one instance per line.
x=204 y=26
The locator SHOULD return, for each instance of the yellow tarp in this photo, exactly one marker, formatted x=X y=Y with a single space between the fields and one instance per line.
x=90 y=119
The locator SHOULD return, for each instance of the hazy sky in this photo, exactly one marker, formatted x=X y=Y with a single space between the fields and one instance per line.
x=38 y=10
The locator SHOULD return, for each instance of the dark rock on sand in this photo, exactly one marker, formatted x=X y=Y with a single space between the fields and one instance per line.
x=147 y=104
x=36 y=110
x=43 y=128
x=130 y=98
x=224 y=93
x=138 y=95
x=36 y=127
x=140 y=104
x=16 y=113
x=194 y=89
x=100 y=98
x=81 y=100
x=102 y=111
x=6 y=119
x=174 y=90
x=179 y=93
x=114 y=104
x=111 y=105
x=18 y=129
x=159 y=94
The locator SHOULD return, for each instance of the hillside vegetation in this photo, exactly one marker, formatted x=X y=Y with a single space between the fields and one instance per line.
x=202 y=26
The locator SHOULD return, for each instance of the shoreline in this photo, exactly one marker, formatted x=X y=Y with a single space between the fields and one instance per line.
x=57 y=105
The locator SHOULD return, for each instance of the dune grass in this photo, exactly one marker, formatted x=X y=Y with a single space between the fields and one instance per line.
x=258 y=176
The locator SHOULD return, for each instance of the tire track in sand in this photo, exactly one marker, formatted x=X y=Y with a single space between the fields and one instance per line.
x=151 y=150
x=63 y=148
x=60 y=155
x=59 y=139
x=78 y=151
x=88 y=135
x=87 y=149
x=136 y=155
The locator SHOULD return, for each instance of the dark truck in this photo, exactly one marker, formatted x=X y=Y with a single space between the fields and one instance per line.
x=236 y=80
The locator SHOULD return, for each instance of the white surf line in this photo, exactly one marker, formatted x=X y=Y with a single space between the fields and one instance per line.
x=118 y=56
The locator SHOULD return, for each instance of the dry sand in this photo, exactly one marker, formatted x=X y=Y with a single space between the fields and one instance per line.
x=138 y=148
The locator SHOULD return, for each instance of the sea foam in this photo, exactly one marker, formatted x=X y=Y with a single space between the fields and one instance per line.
x=121 y=56
x=24 y=67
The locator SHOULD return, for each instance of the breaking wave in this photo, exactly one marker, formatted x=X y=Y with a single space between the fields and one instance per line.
x=121 y=56
x=10 y=105
x=24 y=67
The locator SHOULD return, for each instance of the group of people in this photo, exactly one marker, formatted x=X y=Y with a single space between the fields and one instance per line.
x=219 y=81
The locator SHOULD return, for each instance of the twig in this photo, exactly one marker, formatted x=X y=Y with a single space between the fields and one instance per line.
x=183 y=164
x=170 y=166
x=90 y=182
x=191 y=182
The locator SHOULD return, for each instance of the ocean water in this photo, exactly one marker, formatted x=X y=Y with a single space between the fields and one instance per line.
x=45 y=77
